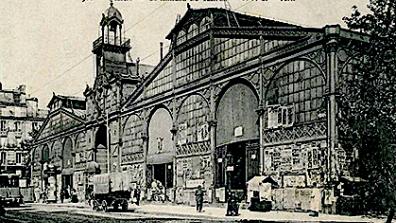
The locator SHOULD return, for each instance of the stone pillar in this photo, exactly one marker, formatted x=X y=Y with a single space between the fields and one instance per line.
x=145 y=150
x=175 y=124
x=174 y=166
x=260 y=109
x=42 y=175
x=331 y=34
x=212 y=108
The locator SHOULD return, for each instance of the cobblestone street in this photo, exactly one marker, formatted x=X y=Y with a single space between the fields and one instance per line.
x=59 y=213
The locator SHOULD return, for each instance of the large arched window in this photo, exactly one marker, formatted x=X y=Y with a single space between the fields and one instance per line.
x=45 y=154
x=295 y=95
x=159 y=132
x=56 y=153
x=193 y=120
x=132 y=137
x=236 y=114
x=67 y=158
x=81 y=144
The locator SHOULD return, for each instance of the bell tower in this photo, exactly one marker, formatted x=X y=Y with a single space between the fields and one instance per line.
x=111 y=47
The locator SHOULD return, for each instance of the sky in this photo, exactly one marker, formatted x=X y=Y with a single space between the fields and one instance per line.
x=46 y=44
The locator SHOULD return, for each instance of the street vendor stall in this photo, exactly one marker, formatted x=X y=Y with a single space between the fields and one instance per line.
x=259 y=193
x=350 y=200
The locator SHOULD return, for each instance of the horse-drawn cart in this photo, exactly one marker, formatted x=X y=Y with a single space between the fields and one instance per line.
x=110 y=190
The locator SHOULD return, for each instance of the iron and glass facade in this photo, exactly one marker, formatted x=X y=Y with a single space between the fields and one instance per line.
x=236 y=96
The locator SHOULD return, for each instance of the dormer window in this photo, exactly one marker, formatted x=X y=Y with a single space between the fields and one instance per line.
x=204 y=25
x=181 y=37
x=192 y=31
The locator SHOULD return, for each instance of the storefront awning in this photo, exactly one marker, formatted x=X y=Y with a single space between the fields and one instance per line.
x=352 y=179
x=68 y=171
x=160 y=158
x=92 y=167
x=256 y=181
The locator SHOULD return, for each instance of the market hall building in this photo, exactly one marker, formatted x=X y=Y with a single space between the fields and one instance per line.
x=236 y=96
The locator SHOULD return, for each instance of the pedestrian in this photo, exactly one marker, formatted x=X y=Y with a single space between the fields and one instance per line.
x=62 y=195
x=232 y=205
x=2 y=210
x=199 y=193
x=74 y=198
x=137 y=195
x=315 y=201
x=154 y=190
x=66 y=193
x=36 y=194
x=45 y=195
x=89 y=194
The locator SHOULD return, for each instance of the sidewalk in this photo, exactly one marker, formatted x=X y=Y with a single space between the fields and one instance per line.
x=215 y=213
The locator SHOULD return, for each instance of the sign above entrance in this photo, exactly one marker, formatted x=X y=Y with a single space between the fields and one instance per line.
x=194 y=183
x=238 y=131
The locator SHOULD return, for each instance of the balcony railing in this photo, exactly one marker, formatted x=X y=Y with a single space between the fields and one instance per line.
x=125 y=42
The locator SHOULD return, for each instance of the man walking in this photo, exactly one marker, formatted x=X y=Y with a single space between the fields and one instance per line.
x=199 y=193
x=137 y=195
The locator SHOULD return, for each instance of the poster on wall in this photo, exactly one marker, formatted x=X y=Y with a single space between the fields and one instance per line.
x=268 y=159
x=297 y=159
x=286 y=159
x=203 y=132
x=182 y=137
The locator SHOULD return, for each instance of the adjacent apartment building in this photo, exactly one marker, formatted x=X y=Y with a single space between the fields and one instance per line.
x=20 y=117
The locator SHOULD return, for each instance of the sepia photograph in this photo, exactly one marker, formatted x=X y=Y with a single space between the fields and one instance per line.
x=197 y=111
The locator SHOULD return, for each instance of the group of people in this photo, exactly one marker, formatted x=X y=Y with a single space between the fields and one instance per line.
x=232 y=202
x=157 y=191
x=65 y=194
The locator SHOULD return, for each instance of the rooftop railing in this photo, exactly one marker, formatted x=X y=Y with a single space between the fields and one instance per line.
x=124 y=42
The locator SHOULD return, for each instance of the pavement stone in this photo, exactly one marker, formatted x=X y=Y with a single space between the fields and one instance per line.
x=219 y=214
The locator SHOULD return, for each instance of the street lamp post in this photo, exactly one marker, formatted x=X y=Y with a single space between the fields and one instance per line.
x=108 y=140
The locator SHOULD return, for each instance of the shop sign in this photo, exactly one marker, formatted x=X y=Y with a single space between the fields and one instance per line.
x=194 y=183
x=238 y=131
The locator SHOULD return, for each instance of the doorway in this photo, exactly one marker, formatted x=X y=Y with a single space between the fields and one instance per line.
x=163 y=173
x=236 y=164
x=67 y=181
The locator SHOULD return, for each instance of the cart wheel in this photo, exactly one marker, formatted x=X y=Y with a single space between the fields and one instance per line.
x=125 y=205
x=104 y=205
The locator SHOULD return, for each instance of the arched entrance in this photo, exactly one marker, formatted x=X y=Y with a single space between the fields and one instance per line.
x=160 y=153
x=101 y=136
x=100 y=154
x=237 y=137
x=67 y=164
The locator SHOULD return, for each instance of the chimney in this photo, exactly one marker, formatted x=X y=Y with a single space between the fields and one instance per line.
x=22 y=88
x=137 y=66
x=161 y=50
